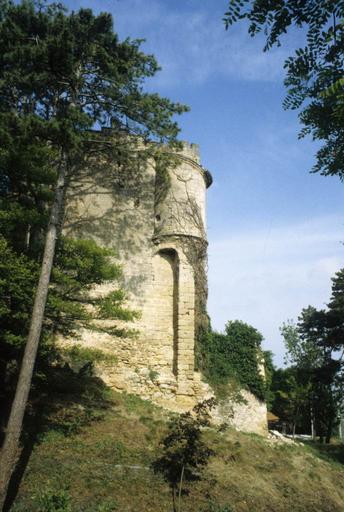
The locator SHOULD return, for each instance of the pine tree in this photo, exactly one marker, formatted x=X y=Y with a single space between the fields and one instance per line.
x=63 y=75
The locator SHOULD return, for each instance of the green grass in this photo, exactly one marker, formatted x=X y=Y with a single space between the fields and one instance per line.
x=102 y=464
x=333 y=452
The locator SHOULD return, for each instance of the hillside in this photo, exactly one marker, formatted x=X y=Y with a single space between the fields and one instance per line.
x=93 y=451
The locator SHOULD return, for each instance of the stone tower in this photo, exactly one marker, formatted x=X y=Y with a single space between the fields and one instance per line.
x=179 y=278
x=155 y=220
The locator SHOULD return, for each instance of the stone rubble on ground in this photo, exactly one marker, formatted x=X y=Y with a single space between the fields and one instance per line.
x=276 y=437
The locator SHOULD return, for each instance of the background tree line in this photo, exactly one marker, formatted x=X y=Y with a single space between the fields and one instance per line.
x=308 y=394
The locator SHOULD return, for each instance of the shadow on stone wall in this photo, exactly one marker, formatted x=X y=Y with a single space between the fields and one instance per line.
x=115 y=208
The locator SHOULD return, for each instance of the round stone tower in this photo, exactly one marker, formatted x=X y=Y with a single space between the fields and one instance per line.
x=180 y=244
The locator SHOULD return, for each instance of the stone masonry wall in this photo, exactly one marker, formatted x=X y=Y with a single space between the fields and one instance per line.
x=160 y=241
x=149 y=235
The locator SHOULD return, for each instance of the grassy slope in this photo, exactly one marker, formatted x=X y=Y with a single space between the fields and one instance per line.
x=105 y=465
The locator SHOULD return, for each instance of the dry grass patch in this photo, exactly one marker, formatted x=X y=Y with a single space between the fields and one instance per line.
x=105 y=467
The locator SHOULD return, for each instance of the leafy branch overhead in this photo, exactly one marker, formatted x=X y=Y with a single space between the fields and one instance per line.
x=314 y=74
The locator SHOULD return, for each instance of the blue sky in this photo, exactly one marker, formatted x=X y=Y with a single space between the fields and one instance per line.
x=274 y=230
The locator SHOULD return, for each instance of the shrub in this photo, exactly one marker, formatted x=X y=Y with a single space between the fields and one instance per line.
x=184 y=453
x=50 y=500
x=234 y=355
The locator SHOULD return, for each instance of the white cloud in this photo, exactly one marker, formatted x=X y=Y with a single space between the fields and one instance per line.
x=192 y=45
x=265 y=278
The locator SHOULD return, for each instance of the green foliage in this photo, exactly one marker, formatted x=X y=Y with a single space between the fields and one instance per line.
x=291 y=391
x=80 y=264
x=85 y=263
x=336 y=305
x=109 y=505
x=60 y=74
x=18 y=276
x=50 y=500
x=315 y=349
x=236 y=354
x=64 y=76
x=244 y=342
x=153 y=374
x=314 y=78
x=269 y=372
x=301 y=351
x=63 y=40
x=111 y=307
x=78 y=355
x=214 y=507
x=87 y=462
x=185 y=454
x=71 y=73
x=26 y=179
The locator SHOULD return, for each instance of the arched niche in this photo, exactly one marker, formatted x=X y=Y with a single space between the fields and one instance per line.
x=166 y=277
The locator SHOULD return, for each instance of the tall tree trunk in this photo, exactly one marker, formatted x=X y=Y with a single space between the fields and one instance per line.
x=313 y=433
x=295 y=421
x=36 y=234
x=10 y=449
x=329 y=431
x=174 y=498
x=180 y=488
